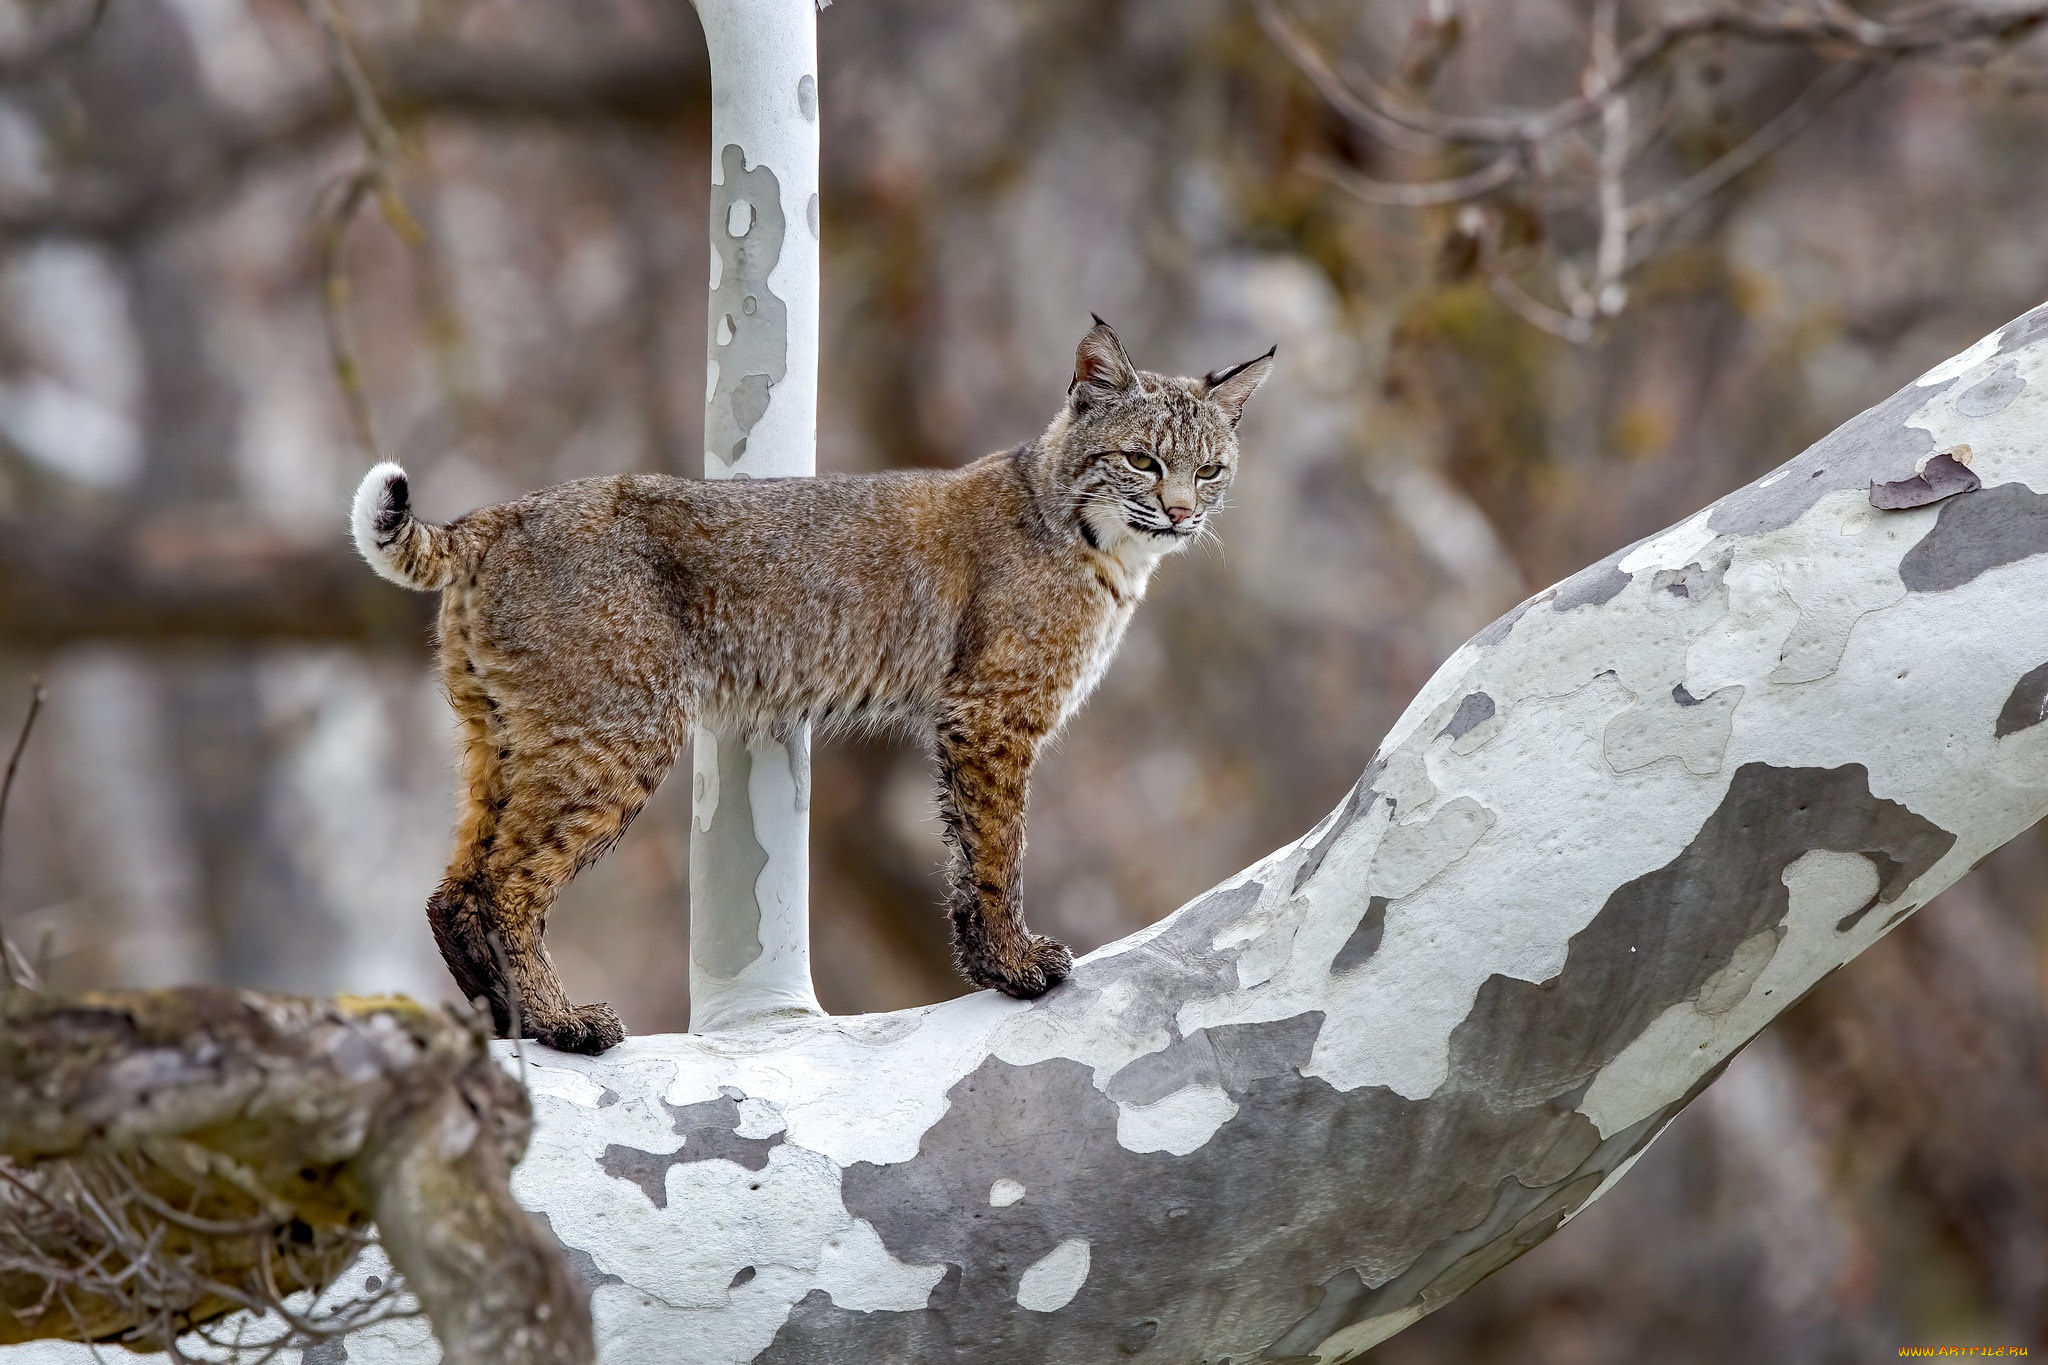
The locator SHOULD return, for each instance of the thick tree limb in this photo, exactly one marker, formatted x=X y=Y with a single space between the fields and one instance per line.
x=640 y=82
x=170 y=1157
x=1619 y=832
x=173 y=580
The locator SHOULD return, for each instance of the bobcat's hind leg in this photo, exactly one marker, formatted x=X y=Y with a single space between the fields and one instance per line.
x=984 y=777
x=563 y=808
x=547 y=792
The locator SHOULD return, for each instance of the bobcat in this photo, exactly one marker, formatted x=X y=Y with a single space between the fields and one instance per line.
x=584 y=627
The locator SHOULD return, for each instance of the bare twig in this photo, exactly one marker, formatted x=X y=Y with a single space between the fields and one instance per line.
x=1418 y=195
x=377 y=178
x=343 y=357
x=1695 y=189
x=1611 y=258
x=52 y=45
x=15 y=970
x=1579 y=154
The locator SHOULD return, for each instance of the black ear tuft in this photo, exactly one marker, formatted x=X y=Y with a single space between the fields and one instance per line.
x=1232 y=387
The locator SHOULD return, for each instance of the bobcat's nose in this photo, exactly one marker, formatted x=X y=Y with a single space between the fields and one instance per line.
x=1177 y=515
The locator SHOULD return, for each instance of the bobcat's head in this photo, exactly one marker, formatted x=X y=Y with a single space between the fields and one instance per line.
x=1136 y=460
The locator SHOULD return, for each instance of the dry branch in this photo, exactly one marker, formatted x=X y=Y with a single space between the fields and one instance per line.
x=172 y=580
x=1583 y=154
x=168 y=1158
x=617 y=83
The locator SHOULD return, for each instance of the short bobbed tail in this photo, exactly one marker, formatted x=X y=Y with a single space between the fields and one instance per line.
x=398 y=545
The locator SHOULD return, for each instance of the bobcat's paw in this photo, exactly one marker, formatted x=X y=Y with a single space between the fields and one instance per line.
x=589 y=1029
x=1046 y=963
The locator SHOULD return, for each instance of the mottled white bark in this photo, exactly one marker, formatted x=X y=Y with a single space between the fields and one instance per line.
x=749 y=838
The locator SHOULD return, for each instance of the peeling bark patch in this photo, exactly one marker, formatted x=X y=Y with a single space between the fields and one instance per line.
x=807 y=98
x=1873 y=447
x=334 y=1352
x=2027 y=706
x=1991 y=527
x=749 y=324
x=709 y=1133
x=1660 y=938
x=1411 y=855
x=1229 y=1057
x=1343 y=1295
x=1694 y=582
x=1050 y=1282
x=1364 y=940
x=1590 y=587
x=1474 y=711
x=1943 y=477
x=1694 y=730
x=1992 y=395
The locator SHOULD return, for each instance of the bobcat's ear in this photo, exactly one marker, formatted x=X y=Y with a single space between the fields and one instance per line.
x=1232 y=387
x=1100 y=363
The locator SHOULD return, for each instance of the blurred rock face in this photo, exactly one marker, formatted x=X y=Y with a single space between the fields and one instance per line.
x=272 y=810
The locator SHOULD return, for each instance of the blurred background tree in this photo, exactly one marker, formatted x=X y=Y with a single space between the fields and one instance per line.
x=242 y=239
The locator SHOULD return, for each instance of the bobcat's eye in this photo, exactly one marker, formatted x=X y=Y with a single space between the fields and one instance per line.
x=1144 y=464
x=1208 y=471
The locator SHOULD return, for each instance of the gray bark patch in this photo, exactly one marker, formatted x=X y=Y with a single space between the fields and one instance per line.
x=1874 y=447
x=1365 y=939
x=2027 y=706
x=749 y=324
x=709 y=1133
x=1590 y=587
x=334 y=1352
x=1475 y=710
x=1977 y=533
x=1659 y=938
x=1992 y=395
x=726 y=862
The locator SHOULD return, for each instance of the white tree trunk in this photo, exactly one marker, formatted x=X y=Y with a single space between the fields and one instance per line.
x=749 y=835
x=1619 y=832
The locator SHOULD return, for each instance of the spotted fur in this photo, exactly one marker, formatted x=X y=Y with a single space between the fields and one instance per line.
x=583 y=628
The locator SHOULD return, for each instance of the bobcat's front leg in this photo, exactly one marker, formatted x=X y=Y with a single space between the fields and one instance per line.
x=984 y=774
